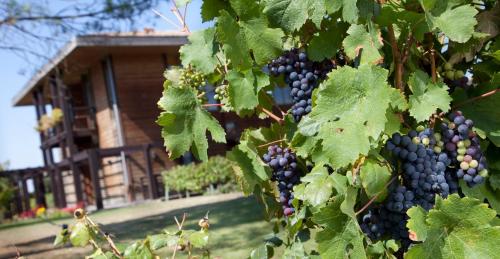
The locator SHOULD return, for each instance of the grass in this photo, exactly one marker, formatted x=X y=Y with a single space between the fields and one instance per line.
x=236 y=227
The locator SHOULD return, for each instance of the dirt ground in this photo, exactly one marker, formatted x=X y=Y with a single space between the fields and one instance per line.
x=35 y=241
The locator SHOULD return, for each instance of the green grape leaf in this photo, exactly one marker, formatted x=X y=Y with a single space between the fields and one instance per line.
x=242 y=38
x=427 y=97
x=211 y=8
x=350 y=11
x=318 y=186
x=61 y=238
x=244 y=88
x=398 y=101
x=455 y=228
x=447 y=22
x=199 y=239
x=80 y=234
x=417 y=223
x=185 y=123
x=250 y=167
x=200 y=51
x=295 y=251
x=374 y=177
x=341 y=236
x=264 y=251
x=291 y=15
x=162 y=240
x=486 y=116
x=327 y=42
x=139 y=250
x=483 y=192
x=350 y=111
x=366 y=43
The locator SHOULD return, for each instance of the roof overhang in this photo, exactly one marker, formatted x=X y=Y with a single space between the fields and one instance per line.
x=97 y=41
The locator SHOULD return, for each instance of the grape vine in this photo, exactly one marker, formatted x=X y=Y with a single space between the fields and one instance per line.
x=393 y=166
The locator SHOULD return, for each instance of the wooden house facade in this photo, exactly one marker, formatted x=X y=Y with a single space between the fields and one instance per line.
x=107 y=149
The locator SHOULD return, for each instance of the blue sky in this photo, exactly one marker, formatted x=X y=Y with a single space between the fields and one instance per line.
x=19 y=142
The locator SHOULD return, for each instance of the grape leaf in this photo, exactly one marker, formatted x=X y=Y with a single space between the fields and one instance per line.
x=486 y=116
x=244 y=87
x=80 y=234
x=318 y=186
x=211 y=8
x=373 y=177
x=341 y=236
x=253 y=35
x=350 y=110
x=185 y=123
x=483 y=192
x=139 y=250
x=365 y=42
x=199 y=239
x=291 y=15
x=349 y=9
x=455 y=228
x=325 y=43
x=426 y=96
x=200 y=52
x=447 y=22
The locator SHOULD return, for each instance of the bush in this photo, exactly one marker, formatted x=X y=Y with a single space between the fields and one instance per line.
x=217 y=171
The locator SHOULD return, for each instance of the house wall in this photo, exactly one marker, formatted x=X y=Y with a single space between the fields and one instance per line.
x=139 y=82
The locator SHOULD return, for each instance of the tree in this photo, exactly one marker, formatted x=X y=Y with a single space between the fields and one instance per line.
x=30 y=29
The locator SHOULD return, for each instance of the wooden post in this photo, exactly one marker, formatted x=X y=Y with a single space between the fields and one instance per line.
x=63 y=99
x=39 y=189
x=18 y=202
x=94 y=162
x=153 y=189
x=26 y=194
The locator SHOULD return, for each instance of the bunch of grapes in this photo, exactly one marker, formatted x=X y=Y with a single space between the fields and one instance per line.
x=454 y=78
x=221 y=93
x=372 y=224
x=302 y=75
x=192 y=78
x=463 y=147
x=283 y=162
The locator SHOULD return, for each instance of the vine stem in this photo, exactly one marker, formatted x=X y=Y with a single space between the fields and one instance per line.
x=374 y=197
x=270 y=114
x=106 y=236
x=179 y=225
x=272 y=142
x=212 y=105
x=476 y=98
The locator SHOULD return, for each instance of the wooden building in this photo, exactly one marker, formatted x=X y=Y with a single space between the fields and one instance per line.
x=107 y=149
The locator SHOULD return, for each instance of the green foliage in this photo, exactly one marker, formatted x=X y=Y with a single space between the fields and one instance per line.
x=388 y=82
x=198 y=177
x=455 y=228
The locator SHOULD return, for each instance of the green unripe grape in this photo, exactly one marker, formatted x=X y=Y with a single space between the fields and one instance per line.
x=459 y=74
x=425 y=141
x=460 y=158
x=450 y=75
x=451 y=125
x=440 y=143
x=464 y=165
x=473 y=163
x=448 y=66
x=437 y=149
x=416 y=140
x=460 y=144
x=483 y=173
x=467 y=143
x=216 y=97
x=437 y=136
x=420 y=128
x=461 y=151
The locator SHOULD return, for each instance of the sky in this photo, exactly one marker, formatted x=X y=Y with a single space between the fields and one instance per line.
x=19 y=142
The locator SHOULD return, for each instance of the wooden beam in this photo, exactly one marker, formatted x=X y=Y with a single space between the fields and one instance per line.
x=94 y=162
x=39 y=190
x=26 y=194
x=153 y=189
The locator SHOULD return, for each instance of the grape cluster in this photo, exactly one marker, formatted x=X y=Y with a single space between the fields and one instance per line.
x=454 y=78
x=191 y=78
x=423 y=166
x=463 y=147
x=285 y=172
x=302 y=75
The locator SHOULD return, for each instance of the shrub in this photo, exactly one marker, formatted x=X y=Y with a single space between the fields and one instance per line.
x=217 y=171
